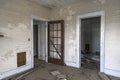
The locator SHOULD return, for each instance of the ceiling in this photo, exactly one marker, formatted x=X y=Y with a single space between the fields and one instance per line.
x=58 y=3
x=55 y=3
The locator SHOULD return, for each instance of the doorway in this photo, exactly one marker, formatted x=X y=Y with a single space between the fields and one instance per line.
x=90 y=43
x=100 y=14
x=39 y=41
x=47 y=41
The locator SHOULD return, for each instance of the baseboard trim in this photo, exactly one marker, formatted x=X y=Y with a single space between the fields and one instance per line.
x=112 y=72
x=15 y=71
x=71 y=64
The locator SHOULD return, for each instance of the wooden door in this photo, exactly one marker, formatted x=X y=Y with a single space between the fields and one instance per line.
x=56 y=42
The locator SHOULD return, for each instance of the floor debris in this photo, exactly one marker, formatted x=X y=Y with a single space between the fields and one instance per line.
x=58 y=75
x=55 y=73
x=70 y=73
x=61 y=77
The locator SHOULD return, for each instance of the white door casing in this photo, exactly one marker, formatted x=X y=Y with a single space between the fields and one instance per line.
x=102 y=37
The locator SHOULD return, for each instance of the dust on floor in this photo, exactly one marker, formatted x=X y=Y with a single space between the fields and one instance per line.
x=43 y=73
x=71 y=73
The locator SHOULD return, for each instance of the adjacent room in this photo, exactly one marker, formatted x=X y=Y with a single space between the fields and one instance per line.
x=39 y=41
x=59 y=39
x=90 y=42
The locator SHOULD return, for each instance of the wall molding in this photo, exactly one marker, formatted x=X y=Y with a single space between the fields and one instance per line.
x=112 y=72
x=71 y=64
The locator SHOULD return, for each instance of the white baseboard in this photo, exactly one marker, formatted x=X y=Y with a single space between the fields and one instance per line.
x=15 y=71
x=112 y=72
x=71 y=64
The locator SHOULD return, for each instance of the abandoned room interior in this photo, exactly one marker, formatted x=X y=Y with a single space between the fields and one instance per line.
x=59 y=39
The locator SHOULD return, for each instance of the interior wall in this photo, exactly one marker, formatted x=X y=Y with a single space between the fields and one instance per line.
x=112 y=29
x=15 y=20
x=90 y=34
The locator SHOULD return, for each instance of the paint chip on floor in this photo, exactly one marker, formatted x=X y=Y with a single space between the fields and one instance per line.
x=61 y=77
x=55 y=73
x=58 y=75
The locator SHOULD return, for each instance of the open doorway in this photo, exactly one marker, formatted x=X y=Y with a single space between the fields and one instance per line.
x=90 y=42
x=47 y=41
x=100 y=14
x=39 y=41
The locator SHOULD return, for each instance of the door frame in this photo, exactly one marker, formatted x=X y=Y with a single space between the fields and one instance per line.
x=32 y=42
x=102 y=37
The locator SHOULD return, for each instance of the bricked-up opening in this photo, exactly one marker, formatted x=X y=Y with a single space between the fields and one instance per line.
x=21 y=59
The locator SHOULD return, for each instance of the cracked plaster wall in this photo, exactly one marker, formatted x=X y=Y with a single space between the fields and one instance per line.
x=15 y=17
x=112 y=28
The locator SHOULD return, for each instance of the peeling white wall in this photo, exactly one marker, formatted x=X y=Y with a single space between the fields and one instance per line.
x=112 y=28
x=15 y=17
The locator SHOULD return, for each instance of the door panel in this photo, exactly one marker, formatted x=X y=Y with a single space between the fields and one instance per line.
x=56 y=42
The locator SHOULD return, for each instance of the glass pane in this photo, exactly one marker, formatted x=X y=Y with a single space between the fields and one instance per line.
x=53 y=48
x=56 y=55
x=59 y=33
x=55 y=34
x=59 y=26
x=59 y=48
x=59 y=40
x=55 y=26
x=55 y=41
x=56 y=46
x=51 y=33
